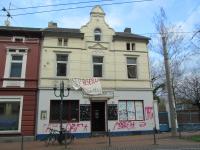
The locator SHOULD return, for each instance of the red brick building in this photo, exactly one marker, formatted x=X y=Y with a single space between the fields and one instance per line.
x=19 y=68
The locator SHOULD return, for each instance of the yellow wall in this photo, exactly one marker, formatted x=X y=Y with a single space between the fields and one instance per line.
x=80 y=57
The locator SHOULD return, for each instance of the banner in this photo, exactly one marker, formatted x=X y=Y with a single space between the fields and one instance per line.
x=91 y=86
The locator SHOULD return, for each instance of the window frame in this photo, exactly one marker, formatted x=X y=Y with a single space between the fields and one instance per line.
x=98 y=64
x=15 y=38
x=134 y=109
x=10 y=52
x=62 y=62
x=130 y=46
x=16 y=61
x=136 y=64
x=63 y=42
x=68 y=112
x=97 y=34
x=14 y=99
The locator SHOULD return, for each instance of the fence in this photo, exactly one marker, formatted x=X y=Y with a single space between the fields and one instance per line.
x=187 y=121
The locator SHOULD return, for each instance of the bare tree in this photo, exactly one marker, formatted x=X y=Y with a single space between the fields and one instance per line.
x=195 y=40
x=189 y=89
x=167 y=40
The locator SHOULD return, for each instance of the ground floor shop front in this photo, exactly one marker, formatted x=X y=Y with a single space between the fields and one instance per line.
x=18 y=111
x=120 y=112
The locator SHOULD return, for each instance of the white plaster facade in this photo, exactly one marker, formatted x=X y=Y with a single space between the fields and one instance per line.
x=80 y=51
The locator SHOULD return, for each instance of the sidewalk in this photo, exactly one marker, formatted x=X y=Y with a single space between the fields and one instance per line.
x=164 y=140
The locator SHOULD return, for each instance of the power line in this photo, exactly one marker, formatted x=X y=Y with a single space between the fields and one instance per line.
x=61 y=4
x=80 y=7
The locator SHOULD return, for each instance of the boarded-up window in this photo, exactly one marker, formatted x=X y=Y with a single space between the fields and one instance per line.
x=131 y=110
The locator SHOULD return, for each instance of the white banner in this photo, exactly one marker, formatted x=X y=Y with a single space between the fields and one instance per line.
x=91 y=86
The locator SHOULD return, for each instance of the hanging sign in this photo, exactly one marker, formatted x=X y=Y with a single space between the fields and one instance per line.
x=91 y=86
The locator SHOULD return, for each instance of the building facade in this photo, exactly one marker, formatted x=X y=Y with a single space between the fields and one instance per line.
x=118 y=59
x=19 y=59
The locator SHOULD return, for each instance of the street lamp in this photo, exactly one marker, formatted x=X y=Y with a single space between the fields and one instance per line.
x=61 y=94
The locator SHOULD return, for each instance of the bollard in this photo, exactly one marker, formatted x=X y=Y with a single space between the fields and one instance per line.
x=154 y=136
x=22 y=143
x=179 y=131
x=65 y=141
x=109 y=137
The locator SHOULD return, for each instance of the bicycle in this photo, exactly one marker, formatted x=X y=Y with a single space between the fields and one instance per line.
x=51 y=137
x=60 y=136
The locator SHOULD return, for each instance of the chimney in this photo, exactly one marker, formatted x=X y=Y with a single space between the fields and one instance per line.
x=127 y=30
x=52 y=24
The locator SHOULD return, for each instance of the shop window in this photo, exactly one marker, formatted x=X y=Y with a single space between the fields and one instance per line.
x=131 y=110
x=70 y=111
x=9 y=116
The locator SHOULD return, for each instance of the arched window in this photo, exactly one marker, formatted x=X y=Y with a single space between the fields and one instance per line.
x=97 y=34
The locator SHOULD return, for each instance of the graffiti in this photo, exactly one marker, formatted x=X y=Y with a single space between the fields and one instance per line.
x=124 y=125
x=71 y=127
x=148 y=113
x=142 y=124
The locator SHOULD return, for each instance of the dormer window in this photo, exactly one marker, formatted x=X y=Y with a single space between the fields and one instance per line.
x=97 y=34
x=20 y=39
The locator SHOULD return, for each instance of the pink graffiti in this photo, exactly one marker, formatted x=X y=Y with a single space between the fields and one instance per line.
x=142 y=124
x=71 y=127
x=124 y=125
x=148 y=113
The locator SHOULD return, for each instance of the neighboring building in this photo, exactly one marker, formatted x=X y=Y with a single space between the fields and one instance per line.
x=118 y=59
x=19 y=63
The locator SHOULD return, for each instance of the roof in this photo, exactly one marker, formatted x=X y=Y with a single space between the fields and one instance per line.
x=126 y=36
x=71 y=32
x=63 y=32
x=12 y=28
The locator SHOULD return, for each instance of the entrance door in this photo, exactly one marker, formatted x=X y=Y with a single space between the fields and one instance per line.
x=98 y=116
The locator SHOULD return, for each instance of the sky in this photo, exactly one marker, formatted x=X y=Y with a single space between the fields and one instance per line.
x=136 y=15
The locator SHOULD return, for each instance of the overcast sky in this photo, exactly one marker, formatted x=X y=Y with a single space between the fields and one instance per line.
x=137 y=15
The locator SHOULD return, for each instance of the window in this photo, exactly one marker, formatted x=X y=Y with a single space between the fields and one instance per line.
x=127 y=46
x=61 y=64
x=59 y=41
x=10 y=114
x=130 y=46
x=70 y=110
x=131 y=110
x=97 y=66
x=62 y=41
x=132 y=67
x=16 y=65
x=97 y=34
x=18 y=39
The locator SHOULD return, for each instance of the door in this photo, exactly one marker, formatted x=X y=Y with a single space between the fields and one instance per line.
x=98 y=116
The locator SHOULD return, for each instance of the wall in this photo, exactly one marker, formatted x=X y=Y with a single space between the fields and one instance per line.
x=84 y=127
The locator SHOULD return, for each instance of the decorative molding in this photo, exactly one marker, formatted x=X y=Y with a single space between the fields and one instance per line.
x=128 y=51
x=98 y=46
x=61 y=47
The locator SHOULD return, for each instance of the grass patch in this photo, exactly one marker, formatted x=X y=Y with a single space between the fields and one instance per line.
x=195 y=138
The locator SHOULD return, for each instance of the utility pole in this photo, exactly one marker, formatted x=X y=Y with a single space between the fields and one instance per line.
x=173 y=115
